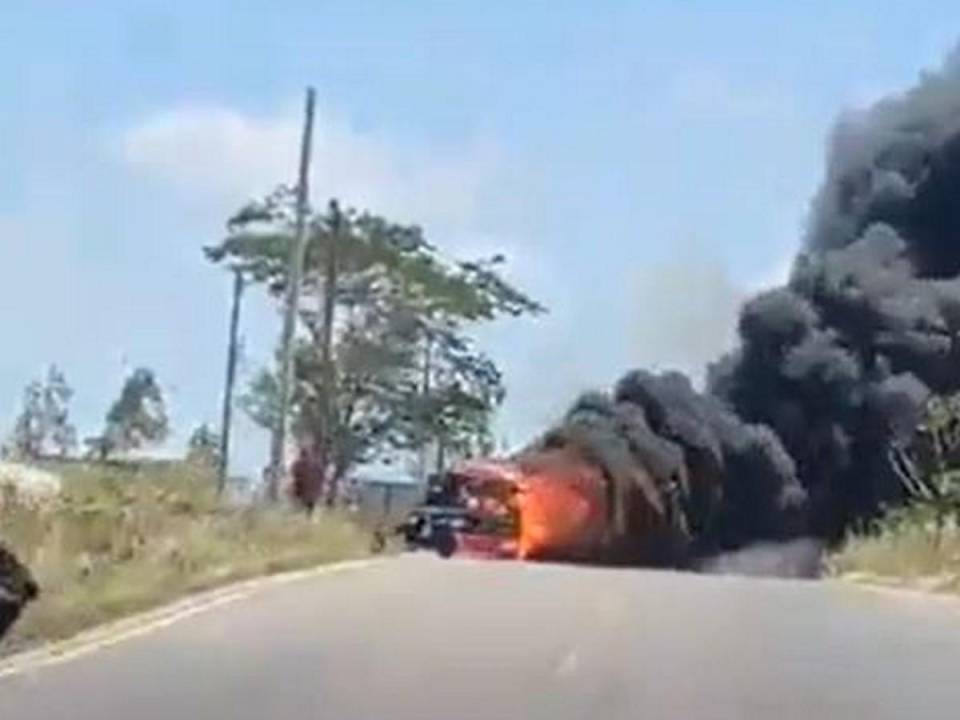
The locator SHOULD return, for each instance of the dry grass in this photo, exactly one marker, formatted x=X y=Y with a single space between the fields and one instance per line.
x=125 y=538
x=907 y=549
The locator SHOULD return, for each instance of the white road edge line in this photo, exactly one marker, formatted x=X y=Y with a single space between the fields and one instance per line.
x=141 y=624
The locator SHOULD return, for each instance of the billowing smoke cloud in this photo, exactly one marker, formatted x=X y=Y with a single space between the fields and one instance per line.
x=840 y=362
x=833 y=369
x=732 y=481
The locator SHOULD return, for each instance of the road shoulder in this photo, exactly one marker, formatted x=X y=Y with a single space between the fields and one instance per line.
x=104 y=636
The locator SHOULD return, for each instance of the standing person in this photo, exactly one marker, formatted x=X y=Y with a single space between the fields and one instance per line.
x=307 y=480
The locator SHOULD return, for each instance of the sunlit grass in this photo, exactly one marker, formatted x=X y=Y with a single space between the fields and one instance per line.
x=909 y=547
x=125 y=538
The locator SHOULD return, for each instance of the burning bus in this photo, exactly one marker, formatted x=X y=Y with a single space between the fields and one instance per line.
x=551 y=504
x=555 y=504
x=652 y=474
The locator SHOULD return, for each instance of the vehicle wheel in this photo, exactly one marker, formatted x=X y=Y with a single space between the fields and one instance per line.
x=445 y=543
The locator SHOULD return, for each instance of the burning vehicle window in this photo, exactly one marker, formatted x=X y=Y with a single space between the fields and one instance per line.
x=502 y=360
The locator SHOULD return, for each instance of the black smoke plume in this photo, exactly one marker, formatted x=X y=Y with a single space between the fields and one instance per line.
x=832 y=370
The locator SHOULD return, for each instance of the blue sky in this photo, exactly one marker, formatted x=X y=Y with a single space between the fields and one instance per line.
x=644 y=165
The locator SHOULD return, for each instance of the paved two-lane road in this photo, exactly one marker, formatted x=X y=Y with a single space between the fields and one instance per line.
x=419 y=638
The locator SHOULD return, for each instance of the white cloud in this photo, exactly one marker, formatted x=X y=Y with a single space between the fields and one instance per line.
x=214 y=151
x=225 y=157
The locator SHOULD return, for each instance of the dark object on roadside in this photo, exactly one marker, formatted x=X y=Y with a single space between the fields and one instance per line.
x=434 y=527
x=17 y=588
x=308 y=480
x=445 y=540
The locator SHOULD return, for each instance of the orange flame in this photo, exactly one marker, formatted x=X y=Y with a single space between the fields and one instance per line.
x=557 y=498
x=555 y=515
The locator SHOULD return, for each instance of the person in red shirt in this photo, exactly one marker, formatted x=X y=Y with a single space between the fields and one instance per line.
x=307 y=480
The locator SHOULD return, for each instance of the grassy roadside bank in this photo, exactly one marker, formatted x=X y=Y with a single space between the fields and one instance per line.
x=122 y=539
x=909 y=549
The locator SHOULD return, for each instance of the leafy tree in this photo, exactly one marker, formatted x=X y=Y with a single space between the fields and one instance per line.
x=203 y=447
x=261 y=402
x=137 y=418
x=371 y=394
x=44 y=417
x=57 y=394
x=929 y=466
x=30 y=428
x=405 y=370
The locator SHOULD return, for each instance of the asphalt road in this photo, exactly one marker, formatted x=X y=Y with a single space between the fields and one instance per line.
x=420 y=638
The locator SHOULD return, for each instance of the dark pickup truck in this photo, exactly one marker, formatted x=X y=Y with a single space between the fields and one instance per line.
x=435 y=527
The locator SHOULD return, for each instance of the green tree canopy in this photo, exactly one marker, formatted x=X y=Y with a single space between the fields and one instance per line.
x=406 y=369
x=44 y=419
x=57 y=394
x=137 y=418
x=29 y=430
x=203 y=446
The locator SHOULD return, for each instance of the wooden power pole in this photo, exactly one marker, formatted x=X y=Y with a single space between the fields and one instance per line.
x=232 y=352
x=294 y=273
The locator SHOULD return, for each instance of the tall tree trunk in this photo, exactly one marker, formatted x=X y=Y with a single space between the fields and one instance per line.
x=326 y=355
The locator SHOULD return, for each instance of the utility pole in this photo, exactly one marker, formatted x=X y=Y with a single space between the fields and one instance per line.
x=326 y=350
x=232 y=352
x=294 y=273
